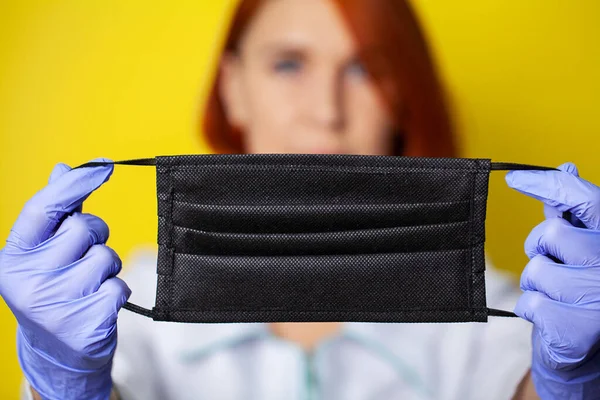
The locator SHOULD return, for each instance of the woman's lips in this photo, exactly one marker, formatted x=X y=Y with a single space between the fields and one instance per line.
x=324 y=150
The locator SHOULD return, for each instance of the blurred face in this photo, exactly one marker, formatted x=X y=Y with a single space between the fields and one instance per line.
x=296 y=84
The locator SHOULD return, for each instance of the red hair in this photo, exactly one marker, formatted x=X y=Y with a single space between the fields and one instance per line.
x=394 y=51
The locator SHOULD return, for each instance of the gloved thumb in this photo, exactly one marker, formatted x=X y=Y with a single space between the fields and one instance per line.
x=553 y=212
x=562 y=190
x=59 y=170
x=43 y=212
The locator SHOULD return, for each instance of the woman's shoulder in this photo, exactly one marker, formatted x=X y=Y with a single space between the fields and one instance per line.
x=481 y=358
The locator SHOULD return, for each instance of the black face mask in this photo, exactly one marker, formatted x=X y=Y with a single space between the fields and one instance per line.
x=286 y=237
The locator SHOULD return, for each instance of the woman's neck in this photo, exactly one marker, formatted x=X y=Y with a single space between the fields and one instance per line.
x=305 y=334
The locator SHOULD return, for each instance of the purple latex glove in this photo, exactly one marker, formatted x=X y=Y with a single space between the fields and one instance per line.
x=59 y=279
x=561 y=283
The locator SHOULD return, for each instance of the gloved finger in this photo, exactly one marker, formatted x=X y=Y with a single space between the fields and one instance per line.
x=111 y=296
x=548 y=316
x=560 y=282
x=77 y=233
x=549 y=211
x=96 y=317
x=558 y=238
x=561 y=190
x=529 y=305
x=59 y=170
x=550 y=358
x=561 y=326
x=44 y=211
x=85 y=276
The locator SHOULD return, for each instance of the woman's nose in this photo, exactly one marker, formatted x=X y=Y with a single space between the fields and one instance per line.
x=324 y=102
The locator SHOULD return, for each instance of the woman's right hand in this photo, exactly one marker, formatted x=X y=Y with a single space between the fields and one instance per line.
x=59 y=279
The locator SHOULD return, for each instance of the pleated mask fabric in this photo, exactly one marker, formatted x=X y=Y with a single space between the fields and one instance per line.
x=319 y=237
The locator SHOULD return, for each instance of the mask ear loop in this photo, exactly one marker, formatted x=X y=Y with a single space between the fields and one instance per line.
x=567 y=215
x=138 y=161
x=142 y=162
x=139 y=310
x=502 y=166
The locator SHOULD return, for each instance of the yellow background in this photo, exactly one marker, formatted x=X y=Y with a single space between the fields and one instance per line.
x=125 y=79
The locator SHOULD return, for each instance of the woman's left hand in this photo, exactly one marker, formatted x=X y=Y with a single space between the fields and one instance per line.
x=561 y=283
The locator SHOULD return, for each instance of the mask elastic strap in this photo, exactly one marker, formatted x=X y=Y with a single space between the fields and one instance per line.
x=141 y=162
x=137 y=161
x=500 y=313
x=495 y=166
x=503 y=166
x=139 y=310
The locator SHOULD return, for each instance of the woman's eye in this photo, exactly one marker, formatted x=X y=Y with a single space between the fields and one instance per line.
x=287 y=66
x=356 y=68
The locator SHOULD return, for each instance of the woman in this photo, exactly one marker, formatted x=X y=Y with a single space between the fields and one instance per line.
x=296 y=76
